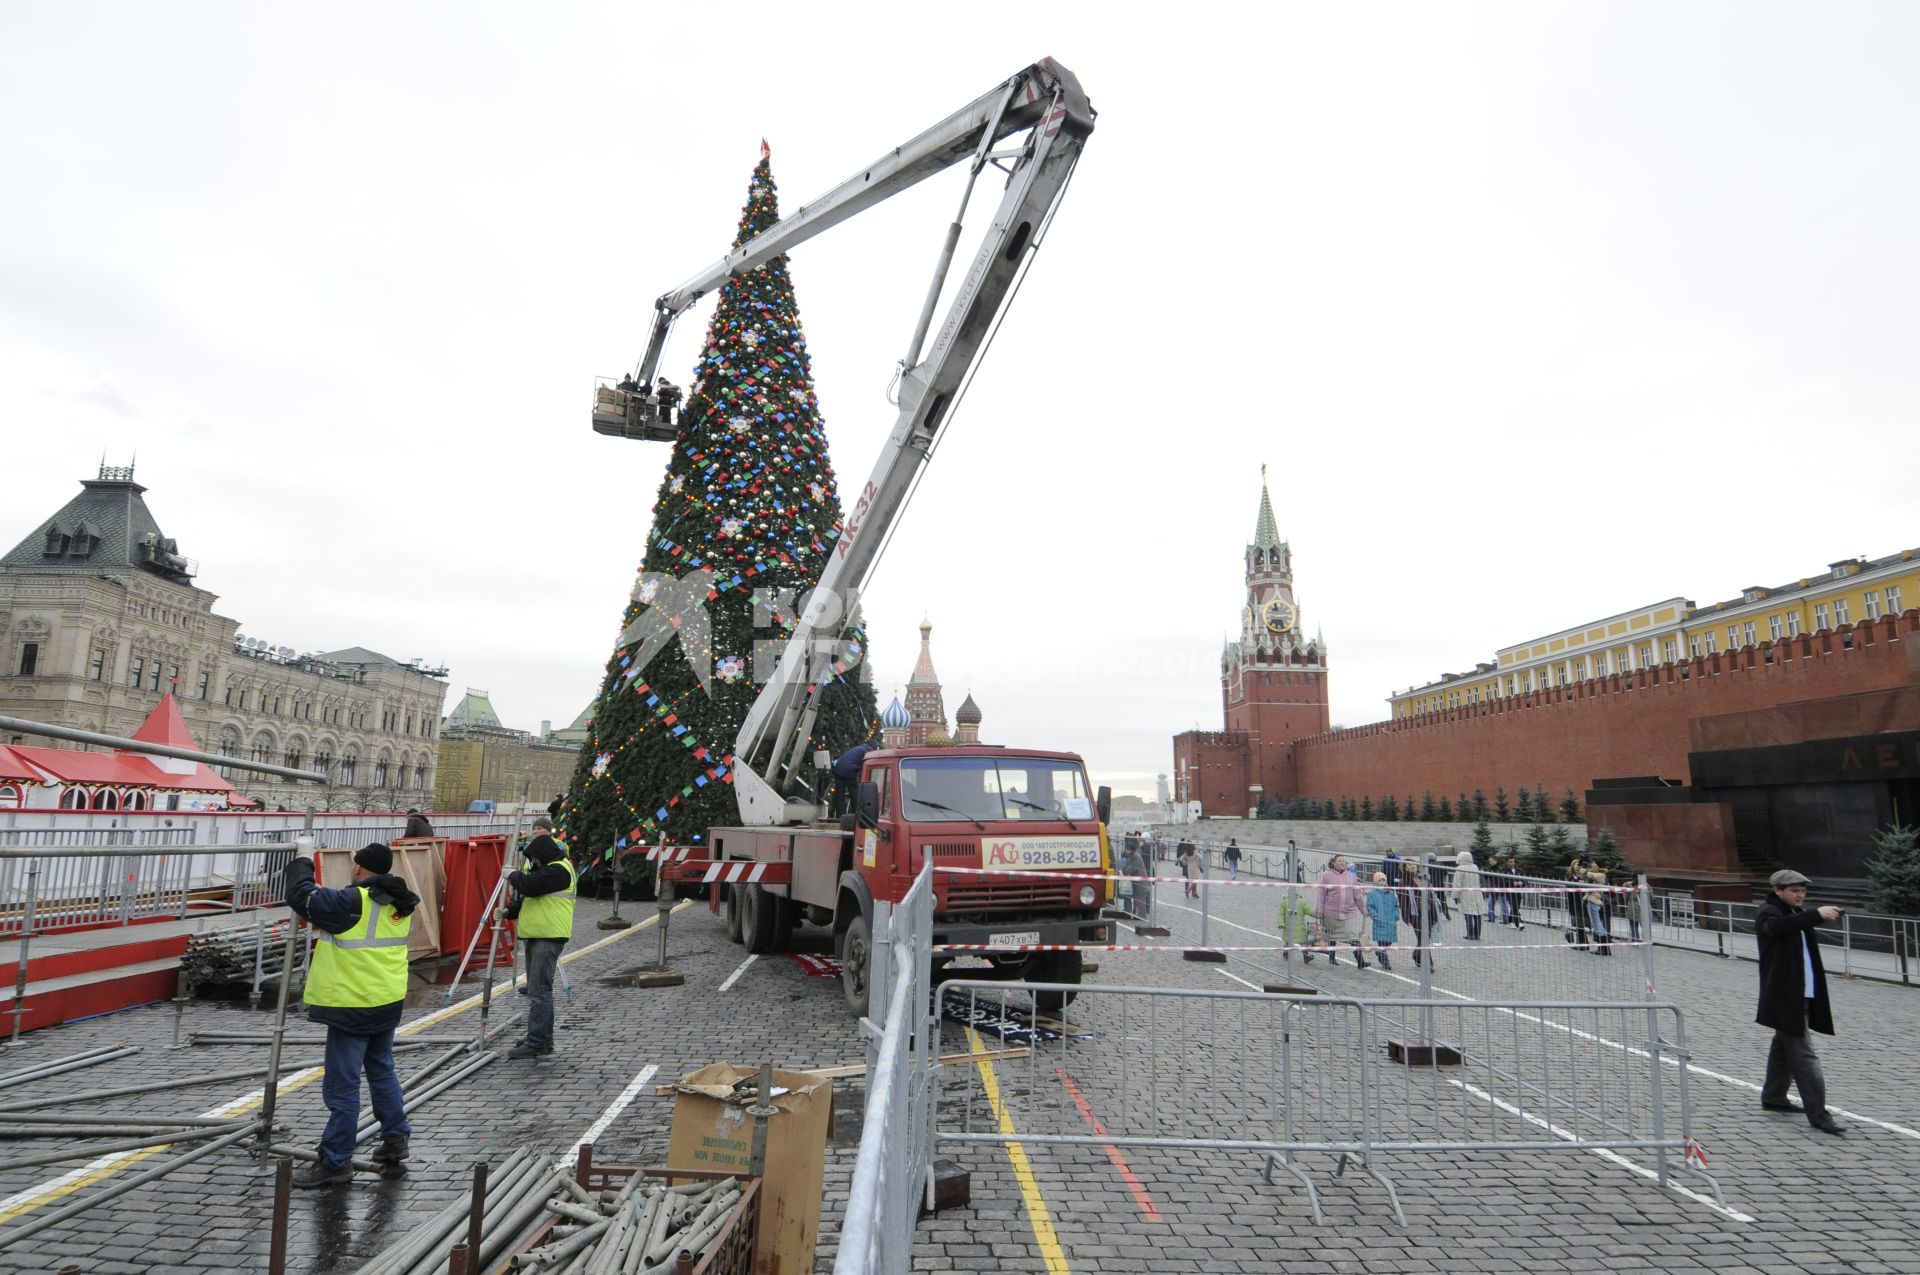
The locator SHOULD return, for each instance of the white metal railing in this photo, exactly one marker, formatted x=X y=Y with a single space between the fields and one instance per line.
x=21 y=828
x=44 y=889
x=894 y=1172
x=1281 y=1080
x=1860 y=944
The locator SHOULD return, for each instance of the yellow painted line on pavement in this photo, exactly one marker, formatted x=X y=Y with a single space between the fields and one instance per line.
x=1043 y=1232
x=58 y=1188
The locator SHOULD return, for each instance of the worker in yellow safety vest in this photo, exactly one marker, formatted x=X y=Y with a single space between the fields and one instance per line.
x=355 y=988
x=543 y=911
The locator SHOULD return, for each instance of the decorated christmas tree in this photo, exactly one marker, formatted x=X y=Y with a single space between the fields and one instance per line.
x=746 y=516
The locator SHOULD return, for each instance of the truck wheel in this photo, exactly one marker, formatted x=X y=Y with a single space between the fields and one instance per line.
x=1056 y=967
x=760 y=924
x=856 y=965
x=735 y=930
x=786 y=914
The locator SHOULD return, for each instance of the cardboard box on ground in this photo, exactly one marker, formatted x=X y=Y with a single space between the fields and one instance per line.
x=712 y=1130
x=422 y=863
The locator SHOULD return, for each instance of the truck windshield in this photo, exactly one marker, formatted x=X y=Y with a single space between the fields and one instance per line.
x=961 y=789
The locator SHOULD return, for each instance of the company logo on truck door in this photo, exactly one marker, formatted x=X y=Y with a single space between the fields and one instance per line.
x=1041 y=852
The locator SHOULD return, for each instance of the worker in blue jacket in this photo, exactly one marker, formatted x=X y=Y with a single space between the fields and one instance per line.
x=355 y=989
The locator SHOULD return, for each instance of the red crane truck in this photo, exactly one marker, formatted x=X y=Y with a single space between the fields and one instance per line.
x=969 y=807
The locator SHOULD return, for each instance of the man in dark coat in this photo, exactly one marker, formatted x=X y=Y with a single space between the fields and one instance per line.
x=355 y=989
x=1793 y=998
x=418 y=825
x=846 y=776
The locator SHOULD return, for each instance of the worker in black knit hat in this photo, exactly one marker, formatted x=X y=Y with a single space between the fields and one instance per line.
x=355 y=988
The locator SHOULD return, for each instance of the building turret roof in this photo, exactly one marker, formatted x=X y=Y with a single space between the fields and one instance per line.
x=938 y=738
x=165 y=726
x=923 y=674
x=474 y=709
x=896 y=716
x=107 y=526
x=968 y=713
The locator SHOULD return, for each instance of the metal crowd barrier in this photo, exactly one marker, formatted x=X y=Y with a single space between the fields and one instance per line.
x=341 y=832
x=1437 y=948
x=894 y=1171
x=46 y=889
x=1369 y=1083
x=1864 y=944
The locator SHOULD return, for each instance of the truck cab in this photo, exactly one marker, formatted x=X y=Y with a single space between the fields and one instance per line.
x=1002 y=814
x=987 y=808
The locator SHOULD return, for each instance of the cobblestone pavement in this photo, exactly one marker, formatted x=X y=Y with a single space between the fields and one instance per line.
x=1821 y=1204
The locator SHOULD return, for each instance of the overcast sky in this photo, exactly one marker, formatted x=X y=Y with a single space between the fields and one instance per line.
x=1536 y=312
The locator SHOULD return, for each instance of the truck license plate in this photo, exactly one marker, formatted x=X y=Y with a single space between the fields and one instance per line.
x=1022 y=938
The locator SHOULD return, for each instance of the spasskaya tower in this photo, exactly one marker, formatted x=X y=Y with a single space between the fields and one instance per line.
x=1273 y=690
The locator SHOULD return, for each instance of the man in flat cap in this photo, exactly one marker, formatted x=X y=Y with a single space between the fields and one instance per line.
x=544 y=890
x=1793 y=998
x=355 y=988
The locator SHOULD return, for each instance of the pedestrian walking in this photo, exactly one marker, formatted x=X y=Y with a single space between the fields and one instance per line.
x=418 y=825
x=1384 y=911
x=545 y=887
x=1417 y=908
x=1187 y=859
x=1127 y=868
x=1338 y=903
x=1466 y=893
x=1596 y=900
x=1793 y=998
x=1437 y=876
x=355 y=989
x=1232 y=857
x=1511 y=902
x=1577 y=903
x=1144 y=868
x=1298 y=925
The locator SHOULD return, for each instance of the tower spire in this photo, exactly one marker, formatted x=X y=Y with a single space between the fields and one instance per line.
x=1266 y=531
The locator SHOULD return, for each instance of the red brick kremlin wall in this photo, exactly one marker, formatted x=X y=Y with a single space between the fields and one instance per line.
x=1612 y=727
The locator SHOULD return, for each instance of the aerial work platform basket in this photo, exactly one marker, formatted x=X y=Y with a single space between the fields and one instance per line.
x=626 y=409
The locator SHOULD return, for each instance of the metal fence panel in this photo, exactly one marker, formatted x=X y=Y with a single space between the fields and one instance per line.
x=1365 y=1082
x=893 y=1174
x=1862 y=945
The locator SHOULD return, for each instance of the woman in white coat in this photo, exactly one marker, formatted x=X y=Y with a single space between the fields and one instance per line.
x=1466 y=893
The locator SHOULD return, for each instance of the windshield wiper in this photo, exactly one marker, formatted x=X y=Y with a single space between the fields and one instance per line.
x=1045 y=811
x=934 y=805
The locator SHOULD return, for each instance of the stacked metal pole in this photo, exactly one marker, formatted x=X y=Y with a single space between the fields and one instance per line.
x=105 y=1053
x=515 y=1193
x=631 y=1231
x=13 y=1235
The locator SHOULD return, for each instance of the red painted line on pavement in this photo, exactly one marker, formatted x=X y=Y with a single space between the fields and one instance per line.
x=1140 y=1195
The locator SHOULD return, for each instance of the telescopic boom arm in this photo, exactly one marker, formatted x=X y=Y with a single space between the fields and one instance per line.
x=1046 y=102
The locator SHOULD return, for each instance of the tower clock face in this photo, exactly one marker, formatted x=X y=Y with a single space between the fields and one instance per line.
x=1277 y=615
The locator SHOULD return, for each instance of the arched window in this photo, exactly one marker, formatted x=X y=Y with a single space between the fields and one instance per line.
x=73 y=799
x=136 y=800
x=380 y=774
x=11 y=798
x=106 y=799
x=347 y=765
x=419 y=778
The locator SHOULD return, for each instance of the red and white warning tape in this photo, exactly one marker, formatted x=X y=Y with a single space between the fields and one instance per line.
x=741 y=870
x=671 y=854
x=1070 y=874
x=1312 y=949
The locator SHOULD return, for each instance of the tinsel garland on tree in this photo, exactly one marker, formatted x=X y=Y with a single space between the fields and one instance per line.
x=746 y=515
